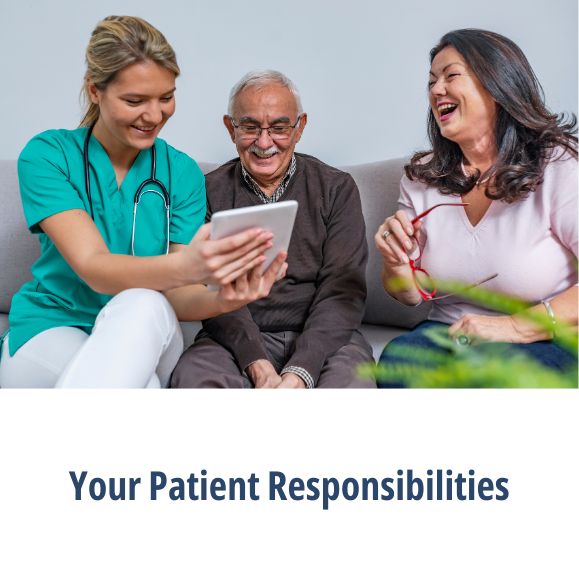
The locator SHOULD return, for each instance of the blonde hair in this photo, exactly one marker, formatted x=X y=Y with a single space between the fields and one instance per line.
x=118 y=42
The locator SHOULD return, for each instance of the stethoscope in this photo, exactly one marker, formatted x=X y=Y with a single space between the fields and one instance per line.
x=140 y=192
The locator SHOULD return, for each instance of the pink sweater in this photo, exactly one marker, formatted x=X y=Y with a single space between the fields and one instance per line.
x=531 y=244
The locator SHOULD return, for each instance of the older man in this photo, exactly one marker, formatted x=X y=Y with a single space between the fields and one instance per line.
x=305 y=333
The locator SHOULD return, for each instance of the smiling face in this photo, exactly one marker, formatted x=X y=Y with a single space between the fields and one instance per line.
x=464 y=109
x=265 y=159
x=135 y=106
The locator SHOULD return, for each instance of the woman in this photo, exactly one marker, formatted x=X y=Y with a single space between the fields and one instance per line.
x=508 y=169
x=101 y=238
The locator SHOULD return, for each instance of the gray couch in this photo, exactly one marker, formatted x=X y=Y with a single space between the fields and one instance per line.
x=378 y=182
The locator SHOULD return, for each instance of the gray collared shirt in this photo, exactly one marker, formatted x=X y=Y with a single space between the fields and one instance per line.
x=279 y=190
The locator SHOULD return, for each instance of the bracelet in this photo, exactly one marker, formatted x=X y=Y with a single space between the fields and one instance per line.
x=551 y=315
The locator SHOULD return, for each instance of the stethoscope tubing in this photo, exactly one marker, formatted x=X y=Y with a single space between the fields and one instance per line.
x=140 y=191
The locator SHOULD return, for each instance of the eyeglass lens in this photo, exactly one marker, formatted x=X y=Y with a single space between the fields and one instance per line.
x=275 y=132
x=422 y=279
x=424 y=282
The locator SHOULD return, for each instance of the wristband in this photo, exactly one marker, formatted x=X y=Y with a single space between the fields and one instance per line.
x=551 y=315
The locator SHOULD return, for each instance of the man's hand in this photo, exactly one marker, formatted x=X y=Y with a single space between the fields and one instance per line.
x=263 y=374
x=291 y=380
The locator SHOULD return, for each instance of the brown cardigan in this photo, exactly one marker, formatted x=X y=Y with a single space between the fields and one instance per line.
x=324 y=290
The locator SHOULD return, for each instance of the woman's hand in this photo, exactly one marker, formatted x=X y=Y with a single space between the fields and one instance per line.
x=487 y=328
x=403 y=237
x=396 y=271
x=220 y=262
x=251 y=286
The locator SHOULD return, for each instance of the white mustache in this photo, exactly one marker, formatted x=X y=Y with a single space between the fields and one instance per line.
x=261 y=152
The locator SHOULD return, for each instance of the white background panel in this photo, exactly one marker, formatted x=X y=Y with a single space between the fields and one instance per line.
x=529 y=437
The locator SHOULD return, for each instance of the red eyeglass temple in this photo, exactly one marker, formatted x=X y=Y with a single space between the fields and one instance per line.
x=431 y=209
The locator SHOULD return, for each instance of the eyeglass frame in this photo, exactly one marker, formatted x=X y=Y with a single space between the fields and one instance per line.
x=260 y=128
x=411 y=261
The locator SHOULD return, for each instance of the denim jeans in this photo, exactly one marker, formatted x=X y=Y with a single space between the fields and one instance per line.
x=546 y=352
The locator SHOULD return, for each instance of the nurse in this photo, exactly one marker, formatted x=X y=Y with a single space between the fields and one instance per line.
x=95 y=315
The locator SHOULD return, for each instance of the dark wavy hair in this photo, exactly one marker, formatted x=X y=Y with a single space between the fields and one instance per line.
x=526 y=132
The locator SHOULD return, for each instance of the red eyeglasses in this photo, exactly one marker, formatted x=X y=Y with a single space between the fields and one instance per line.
x=422 y=280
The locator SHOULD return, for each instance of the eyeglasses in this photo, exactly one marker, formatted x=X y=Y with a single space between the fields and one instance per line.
x=275 y=132
x=422 y=280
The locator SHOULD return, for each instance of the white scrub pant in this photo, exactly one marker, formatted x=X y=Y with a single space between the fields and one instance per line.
x=135 y=343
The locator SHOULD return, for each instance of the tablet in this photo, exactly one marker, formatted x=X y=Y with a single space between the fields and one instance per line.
x=277 y=217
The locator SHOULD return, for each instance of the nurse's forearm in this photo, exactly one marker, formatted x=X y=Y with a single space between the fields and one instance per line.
x=193 y=303
x=81 y=244
x=112 y=273
x=202 y=261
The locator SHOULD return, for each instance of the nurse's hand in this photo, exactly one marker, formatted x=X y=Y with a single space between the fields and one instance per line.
x=252 y=286
x=221 y=262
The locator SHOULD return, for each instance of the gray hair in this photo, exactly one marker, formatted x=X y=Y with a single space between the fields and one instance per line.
x=259 y=79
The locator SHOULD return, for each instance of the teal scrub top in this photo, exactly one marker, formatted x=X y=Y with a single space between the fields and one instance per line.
x=51 y=176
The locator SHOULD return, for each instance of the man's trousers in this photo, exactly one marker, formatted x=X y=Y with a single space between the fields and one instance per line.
x=207 y=364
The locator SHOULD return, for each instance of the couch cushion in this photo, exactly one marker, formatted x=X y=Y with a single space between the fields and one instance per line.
x=3 y=323
x=207 y=167
x=19 y=249
x=379 y=336
x=189 y=330
x=379 y=184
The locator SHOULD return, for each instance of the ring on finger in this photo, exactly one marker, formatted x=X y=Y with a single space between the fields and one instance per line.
x=463 y=340
x=385 y=234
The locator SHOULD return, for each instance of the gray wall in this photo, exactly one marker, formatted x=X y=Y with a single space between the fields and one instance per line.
x=361 y=66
